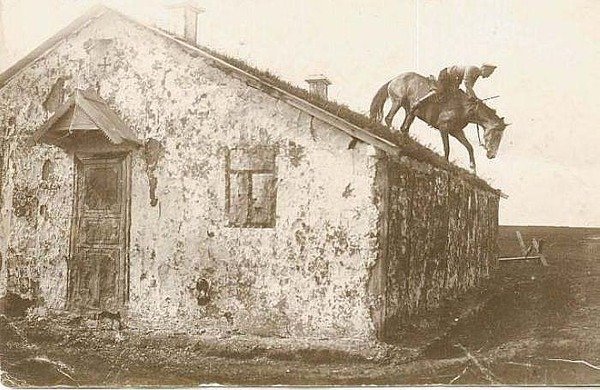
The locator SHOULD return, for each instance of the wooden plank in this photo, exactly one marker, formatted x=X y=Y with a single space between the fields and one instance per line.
x=74 y=119
x=342 y=124
x=262 y=202
x=238 y=198
x=521 y=242
x=519 y=258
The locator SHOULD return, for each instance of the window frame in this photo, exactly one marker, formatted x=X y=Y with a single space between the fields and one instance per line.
x=248 y=173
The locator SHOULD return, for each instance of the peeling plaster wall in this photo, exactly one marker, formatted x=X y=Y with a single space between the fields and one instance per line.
x=355 y=247
x=441 y=240
x=35 y=209
x=36 y=220
x=306 y=276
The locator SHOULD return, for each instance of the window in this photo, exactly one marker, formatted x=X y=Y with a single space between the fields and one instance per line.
x=251 y=188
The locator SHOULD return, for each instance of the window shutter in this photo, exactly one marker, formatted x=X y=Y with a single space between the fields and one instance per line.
x=252 y=187
x=238 y=198
x=262 y=211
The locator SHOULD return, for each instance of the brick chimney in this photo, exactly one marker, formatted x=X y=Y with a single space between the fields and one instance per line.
x=317 y=85
x=183 y=20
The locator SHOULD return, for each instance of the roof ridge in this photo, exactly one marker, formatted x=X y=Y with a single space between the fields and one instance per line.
x=339 y=115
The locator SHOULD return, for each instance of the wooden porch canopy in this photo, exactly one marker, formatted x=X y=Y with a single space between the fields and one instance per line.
x=85 y=118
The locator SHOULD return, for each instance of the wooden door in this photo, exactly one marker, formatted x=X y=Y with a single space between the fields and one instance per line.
x=98 y=266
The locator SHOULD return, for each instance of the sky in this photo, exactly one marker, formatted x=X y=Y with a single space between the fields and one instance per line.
x=547 y=53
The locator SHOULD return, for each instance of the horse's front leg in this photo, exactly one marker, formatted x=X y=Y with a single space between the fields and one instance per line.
x=446 y=143
x=460 y=136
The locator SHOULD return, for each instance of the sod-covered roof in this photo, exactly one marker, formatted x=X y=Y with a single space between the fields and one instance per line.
x=407 y=145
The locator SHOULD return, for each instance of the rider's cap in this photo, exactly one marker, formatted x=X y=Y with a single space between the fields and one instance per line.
x=489 y=66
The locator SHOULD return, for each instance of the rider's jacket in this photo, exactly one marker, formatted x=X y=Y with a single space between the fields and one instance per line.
x=451 y=78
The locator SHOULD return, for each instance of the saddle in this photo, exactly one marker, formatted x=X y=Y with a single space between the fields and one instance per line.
x=443 y=96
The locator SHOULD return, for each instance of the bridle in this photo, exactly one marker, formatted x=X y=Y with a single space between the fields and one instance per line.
x=475 y=109
x=479 y=136
x=495 y=128
x=476 y=104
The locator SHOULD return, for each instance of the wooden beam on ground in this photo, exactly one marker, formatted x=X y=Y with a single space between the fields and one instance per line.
x=521 y=242
x=533 y=252
x=517 y=258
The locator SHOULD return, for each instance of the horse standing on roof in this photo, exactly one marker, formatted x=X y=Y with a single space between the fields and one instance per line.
x=450 y=116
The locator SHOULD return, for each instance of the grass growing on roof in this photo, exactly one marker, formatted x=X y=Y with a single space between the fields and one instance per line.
x=408 y=145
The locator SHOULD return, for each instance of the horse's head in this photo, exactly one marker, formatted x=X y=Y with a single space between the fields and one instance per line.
x=492 y=137
x=493 y=125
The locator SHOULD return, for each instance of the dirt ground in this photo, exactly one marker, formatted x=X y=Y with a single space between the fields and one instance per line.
x=528 y=324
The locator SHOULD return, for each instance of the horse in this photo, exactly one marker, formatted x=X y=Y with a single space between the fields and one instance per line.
x=449 y=116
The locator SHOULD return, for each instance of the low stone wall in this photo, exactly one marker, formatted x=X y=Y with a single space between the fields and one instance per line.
x=441 y=239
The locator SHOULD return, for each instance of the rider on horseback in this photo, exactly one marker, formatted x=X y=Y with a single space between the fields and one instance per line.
x=450 y=79
x=450 y=117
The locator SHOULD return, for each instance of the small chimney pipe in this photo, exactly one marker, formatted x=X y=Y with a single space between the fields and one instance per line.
x=318 y=85
x=184 y=20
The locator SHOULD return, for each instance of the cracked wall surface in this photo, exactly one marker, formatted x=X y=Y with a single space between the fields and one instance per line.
x=352 y=234
x=306 y=276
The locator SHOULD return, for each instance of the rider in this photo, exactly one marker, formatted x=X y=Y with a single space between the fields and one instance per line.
x=450 y=79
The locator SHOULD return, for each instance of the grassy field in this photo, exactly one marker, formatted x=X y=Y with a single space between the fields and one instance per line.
x=531 y=316
x=528 y=324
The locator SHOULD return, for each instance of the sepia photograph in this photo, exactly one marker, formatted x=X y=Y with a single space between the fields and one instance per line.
x=299 y=193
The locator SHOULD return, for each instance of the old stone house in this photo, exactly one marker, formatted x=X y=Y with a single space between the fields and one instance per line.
x=144 y=174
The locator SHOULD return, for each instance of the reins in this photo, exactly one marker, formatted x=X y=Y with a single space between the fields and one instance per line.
x=479 y=136
x=477 y=124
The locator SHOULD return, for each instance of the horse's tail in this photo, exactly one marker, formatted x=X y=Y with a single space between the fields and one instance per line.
x=376 y=112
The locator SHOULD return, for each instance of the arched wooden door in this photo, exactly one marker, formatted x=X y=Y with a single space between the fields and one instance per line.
x=98 y=267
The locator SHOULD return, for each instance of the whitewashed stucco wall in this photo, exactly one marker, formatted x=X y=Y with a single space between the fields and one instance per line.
x=306 y=276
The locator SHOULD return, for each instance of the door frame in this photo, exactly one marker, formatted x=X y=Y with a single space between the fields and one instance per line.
x=123 y=268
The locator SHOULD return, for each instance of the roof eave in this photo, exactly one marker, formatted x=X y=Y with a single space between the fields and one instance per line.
x=49 y=44
x=114 y=129
x=327 y=117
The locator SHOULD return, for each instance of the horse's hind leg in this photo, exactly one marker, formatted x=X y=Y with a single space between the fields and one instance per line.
x=408 y=120
x=390 y=116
